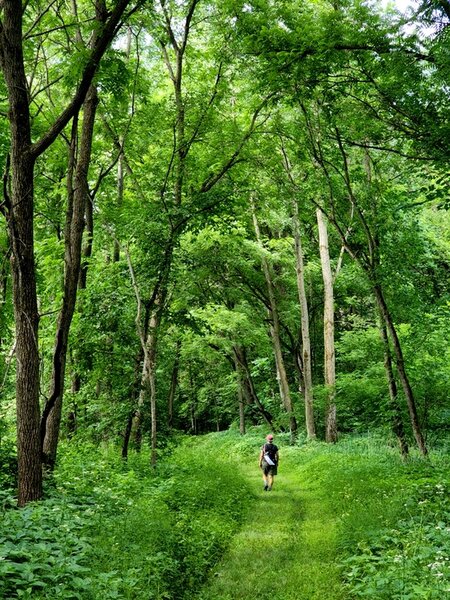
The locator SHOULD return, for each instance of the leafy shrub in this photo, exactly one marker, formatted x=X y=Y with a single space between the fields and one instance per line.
x=393 y=517
x=40 y=546
x=410 y=560
x=408 y=557
x=122 y=530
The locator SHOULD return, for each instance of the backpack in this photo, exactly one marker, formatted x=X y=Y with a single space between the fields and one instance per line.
x=269 y=454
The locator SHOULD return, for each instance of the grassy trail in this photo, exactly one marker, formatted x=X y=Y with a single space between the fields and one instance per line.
x=285 y=549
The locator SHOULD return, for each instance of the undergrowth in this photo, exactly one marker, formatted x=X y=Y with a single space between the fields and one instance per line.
x=394 y=531
x=122 y=530
x=109 y=529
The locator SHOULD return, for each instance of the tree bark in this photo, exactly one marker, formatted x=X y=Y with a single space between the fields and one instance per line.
x=328 y=330
x=412 y=409
x=304 y=316
x=18 y=209
x=127 y=436
x=397 y=421
x=275 y=332
x=370 y=263
x=75 y=222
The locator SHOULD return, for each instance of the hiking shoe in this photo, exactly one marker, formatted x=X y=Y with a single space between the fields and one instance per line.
x=269 y=489
x=266 y=487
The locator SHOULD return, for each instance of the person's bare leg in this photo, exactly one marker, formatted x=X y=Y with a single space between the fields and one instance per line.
x=269 y=481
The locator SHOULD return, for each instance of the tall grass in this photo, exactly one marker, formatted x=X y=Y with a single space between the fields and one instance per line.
x=344 y=521
x=115 y=530
x=394 y=517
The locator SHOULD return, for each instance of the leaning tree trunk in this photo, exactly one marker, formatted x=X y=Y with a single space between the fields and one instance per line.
x=328 y=331
x=78 y=206
x=275 y=333
x=248 y=387
x=75 y=221
x=400 y=363
x=304 y=316
x=397 y=421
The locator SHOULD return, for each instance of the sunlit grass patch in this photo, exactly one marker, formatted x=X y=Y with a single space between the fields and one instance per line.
x=286 y=548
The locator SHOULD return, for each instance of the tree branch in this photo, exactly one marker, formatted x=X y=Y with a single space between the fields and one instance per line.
x=102 y=43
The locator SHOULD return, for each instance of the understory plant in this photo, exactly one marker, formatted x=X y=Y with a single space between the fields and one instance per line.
x=396 y=544
x=411 y=559
x=121 y=530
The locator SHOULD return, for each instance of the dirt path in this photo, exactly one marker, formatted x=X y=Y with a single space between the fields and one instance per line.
x=286 y=547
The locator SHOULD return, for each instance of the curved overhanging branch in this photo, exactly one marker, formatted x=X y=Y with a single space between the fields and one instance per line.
x=105 y=38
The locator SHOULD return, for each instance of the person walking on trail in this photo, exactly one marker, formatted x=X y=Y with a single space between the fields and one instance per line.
x=268 y=462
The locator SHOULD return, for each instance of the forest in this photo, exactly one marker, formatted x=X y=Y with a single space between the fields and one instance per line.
x=219 y=220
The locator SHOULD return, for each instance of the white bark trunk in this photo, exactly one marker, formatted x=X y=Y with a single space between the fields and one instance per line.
x=306 y=342
x=328 y=330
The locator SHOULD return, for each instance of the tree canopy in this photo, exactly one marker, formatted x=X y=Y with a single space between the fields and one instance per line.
x=167 y=167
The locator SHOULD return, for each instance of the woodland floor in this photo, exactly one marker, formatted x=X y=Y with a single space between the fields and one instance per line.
x=285 y=549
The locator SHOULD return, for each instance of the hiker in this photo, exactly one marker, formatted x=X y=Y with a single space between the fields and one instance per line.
x=268 y=462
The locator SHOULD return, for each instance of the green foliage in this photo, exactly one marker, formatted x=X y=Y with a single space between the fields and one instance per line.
x=122 y=530
x=410 y=559
x=111 y=529
x=40 y=546
x=347 y=518
x=393 y=517
x=8 y=466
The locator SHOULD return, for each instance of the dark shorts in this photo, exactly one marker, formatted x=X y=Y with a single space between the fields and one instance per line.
x=268 y=469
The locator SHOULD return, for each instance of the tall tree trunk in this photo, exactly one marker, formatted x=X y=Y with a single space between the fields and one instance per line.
x=137 y=415
x=75 y=221
x=397 y=421
x=275 y=332
x=18 y=209
x=127 y=436
x=328 y=330
x=400 y=363
x=148 y=329
x=306 y=343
